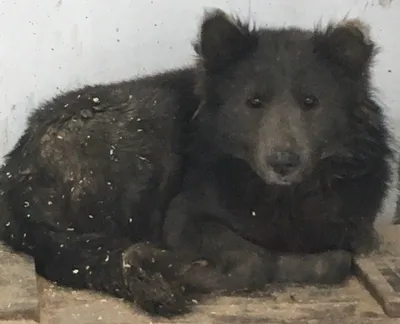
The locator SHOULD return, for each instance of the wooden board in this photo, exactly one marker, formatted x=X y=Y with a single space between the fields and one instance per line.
x=348 y=303
x=380 y=272
x=18 y=287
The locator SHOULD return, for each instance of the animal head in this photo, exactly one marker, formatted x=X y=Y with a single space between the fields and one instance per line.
x=284 y=99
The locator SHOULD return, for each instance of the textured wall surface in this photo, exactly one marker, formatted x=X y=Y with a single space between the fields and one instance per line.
x=49 y=46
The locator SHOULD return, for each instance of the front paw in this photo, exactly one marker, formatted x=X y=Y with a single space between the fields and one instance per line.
x=366 y=242
x=246 y=270
x=331 y=267
x=150 y=277
x=234 y=271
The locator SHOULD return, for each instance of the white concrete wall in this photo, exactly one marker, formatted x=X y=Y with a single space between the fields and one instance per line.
x=51 y=45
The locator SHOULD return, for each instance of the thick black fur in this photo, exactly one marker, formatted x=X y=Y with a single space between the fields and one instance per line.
x=91 y=176
x=86 y=187
x=289 y=153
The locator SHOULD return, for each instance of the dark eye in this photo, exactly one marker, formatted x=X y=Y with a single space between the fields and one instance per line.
x=310 y=102
x=254 y=102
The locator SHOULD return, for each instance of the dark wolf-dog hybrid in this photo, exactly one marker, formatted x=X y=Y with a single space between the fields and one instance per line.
x=86 y=187
x=289 y=151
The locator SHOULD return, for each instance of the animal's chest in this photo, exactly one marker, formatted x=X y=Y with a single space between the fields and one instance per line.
x=290 y=224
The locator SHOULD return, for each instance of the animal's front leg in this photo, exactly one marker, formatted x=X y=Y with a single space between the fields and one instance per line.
x=249 y=266
x=236 y=263
x=365 y=240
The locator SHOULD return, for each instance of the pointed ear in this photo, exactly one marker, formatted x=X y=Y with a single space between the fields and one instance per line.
x=347 y=45
x=223 y=39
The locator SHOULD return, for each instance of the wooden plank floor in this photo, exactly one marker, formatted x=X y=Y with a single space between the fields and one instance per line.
x=348 y=303
x=18 y=289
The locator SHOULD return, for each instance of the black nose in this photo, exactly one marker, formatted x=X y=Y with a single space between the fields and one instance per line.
x=284 y=162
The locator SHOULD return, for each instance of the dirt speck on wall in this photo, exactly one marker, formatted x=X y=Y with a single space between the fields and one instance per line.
x=385 y=3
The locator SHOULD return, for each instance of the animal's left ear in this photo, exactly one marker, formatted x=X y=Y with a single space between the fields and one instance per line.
x=348 y=45
x=223 y=39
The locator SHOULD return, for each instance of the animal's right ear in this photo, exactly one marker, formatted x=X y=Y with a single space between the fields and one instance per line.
x=223 y=39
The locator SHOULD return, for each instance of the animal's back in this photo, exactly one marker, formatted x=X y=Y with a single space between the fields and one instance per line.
x=91 y=176
x=85 y=151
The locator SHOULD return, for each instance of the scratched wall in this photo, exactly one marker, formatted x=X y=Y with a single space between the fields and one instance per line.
x=49 y=46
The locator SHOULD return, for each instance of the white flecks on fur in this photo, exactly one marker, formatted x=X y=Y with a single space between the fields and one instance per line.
x=60 y=137
x=253 y=213
x=112 y=149
x=107 y=258
x=75 y=271
x=96 y=100
x=139 y=130
x=70 y=229
x=142 y=158
x=72 y=189
x=23 y=236
x=99 y=248
x=130 y=97
x=28 y=215
x=7 y=224
x=125 y=265
x=26 y=204
x=89 y=136
x=9 y=175
x=130 y=220
x=66 y=105
x=138 y=119
x=61 y=245
x=87 y=267
x=109 y=183
x=49 y=203
x=90 y=216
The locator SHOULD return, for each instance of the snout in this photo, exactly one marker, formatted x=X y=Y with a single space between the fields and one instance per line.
x=284 y=163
